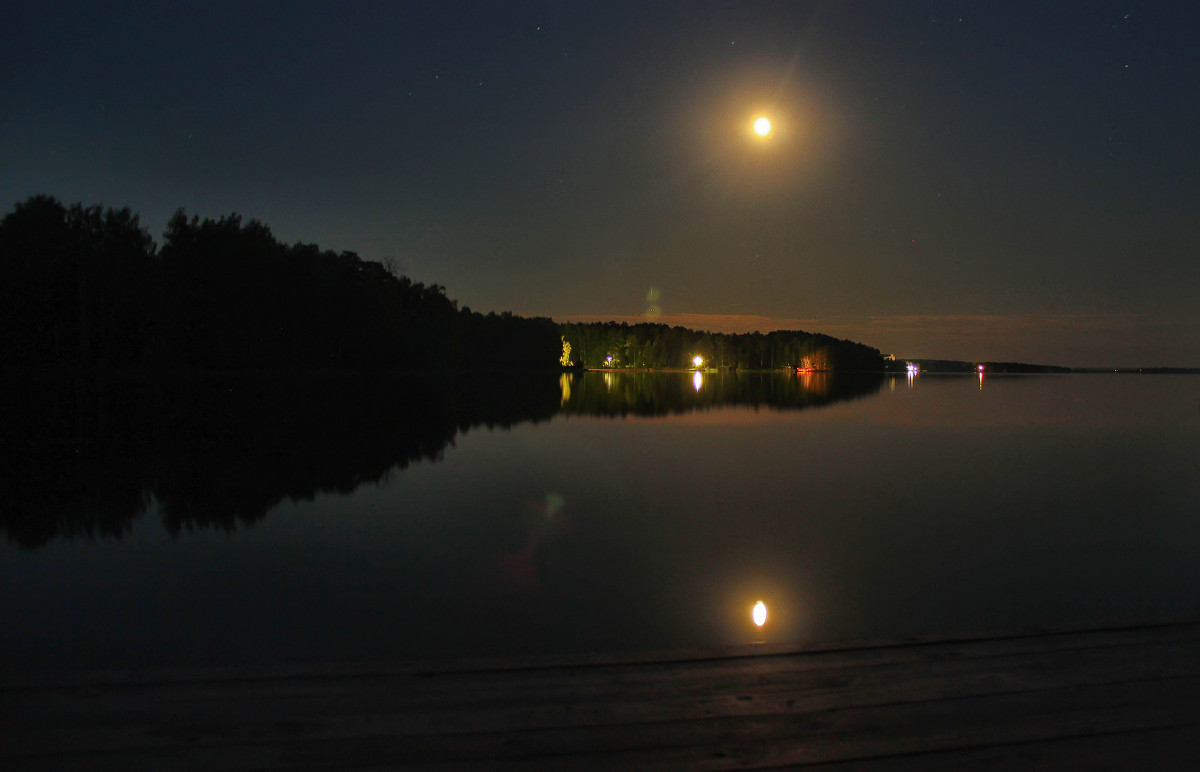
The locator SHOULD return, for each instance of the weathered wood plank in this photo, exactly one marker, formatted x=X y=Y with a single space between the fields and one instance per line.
x=1156 y=749
x=785 y=709
x=818 y=655
x=859 y=734
x=554 y=699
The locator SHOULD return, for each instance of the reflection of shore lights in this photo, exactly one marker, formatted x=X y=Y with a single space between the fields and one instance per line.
x=697 y=360
x=697 y=380
x=759 y=614
x=564 y=385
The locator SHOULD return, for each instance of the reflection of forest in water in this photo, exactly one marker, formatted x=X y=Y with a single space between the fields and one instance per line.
x=82 y=461
x=664 y=393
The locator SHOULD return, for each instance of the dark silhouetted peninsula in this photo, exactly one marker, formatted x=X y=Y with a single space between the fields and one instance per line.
x=87 y=288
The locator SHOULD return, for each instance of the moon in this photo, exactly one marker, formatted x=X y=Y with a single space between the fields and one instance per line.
x=762 y=127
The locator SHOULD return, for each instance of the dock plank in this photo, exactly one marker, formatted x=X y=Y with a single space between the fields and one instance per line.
x=1015 y=700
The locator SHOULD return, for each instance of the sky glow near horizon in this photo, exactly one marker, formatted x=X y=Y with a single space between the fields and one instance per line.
x=1006 y=182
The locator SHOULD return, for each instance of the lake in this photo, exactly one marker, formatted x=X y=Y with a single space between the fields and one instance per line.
x=266 y=520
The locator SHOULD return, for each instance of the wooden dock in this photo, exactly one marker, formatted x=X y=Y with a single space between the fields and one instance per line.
x=1115 y=698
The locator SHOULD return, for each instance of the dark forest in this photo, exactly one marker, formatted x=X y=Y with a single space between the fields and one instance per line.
x=85 y=287
x=88 y=288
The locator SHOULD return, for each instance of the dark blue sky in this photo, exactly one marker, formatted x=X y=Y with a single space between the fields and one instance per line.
x=1007 y=180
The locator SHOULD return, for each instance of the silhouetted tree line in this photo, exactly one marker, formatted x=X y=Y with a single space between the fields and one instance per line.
x=88 y=287
x=609 y=344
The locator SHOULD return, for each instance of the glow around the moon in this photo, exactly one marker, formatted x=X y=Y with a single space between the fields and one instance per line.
x=762 y=127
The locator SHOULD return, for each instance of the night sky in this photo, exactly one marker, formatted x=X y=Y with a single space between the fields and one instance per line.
x=971 y=180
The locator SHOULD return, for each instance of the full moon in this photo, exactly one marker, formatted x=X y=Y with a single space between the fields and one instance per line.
x=762 y=127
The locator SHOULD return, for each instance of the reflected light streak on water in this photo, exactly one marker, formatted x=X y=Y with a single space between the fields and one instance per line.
x=759 y=614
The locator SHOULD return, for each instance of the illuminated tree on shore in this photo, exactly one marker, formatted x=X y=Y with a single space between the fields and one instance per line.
x=659 y=346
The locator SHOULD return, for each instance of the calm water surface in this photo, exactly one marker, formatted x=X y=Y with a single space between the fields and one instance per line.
x=597 y=513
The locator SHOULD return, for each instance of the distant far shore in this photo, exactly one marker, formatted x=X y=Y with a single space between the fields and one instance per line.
x=958 y=366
